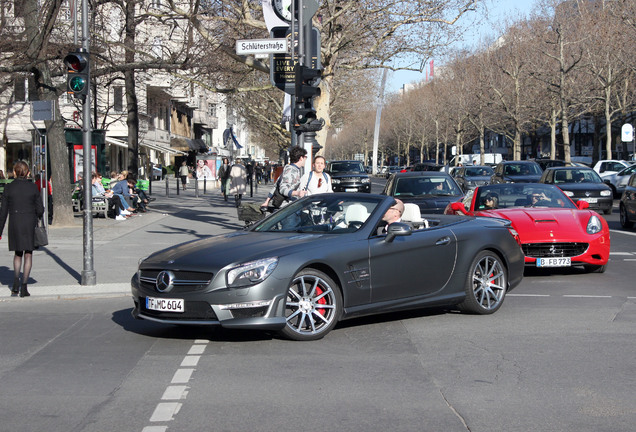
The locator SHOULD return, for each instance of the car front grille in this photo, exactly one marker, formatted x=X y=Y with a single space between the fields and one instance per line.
x=193 y=311
x=184 y=281
x=548 y=250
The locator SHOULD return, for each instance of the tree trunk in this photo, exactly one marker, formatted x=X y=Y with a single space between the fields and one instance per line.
x=132 y=120
x=57 y=148
x=608 y=122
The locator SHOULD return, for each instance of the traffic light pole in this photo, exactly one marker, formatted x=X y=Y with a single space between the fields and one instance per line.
x=89 y=276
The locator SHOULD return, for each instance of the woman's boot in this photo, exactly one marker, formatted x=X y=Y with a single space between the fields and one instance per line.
x=23 y=291
x=16 y=287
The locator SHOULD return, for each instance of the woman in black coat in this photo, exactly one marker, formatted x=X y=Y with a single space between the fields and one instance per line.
x=22 y=201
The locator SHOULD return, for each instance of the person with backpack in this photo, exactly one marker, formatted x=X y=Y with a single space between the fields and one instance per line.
x=317 y=180
x=288 y=186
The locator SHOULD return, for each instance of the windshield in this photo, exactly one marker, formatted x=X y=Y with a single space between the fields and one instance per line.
x=522 y=169
x=576 y=176
x=479 y=171
x=325 y=213
x=425 y=186
x=338 y=167
x=503 y=196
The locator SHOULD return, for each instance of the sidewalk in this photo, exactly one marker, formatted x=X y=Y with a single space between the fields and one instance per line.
x=119 y=245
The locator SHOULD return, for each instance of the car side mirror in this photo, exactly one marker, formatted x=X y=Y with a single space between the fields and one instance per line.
x=459 y=207
x=582 y=205
x=397 y=229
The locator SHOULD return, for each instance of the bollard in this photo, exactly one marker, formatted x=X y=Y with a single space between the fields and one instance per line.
x=196 y=188
x=204 y=185
x=167 y=188
x=177 y=186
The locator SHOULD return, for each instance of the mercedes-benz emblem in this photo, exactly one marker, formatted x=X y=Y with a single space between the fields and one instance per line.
x=165 y=281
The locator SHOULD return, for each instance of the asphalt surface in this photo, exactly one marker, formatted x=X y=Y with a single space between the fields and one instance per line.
x=119 y=245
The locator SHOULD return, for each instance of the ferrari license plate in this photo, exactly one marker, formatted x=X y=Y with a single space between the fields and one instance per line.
x=164 y=304
x=554 y=262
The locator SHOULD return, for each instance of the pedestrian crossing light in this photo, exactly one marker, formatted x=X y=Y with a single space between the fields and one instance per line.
x=306 y=88
x=77 y=79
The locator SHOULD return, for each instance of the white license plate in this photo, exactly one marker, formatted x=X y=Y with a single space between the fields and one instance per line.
x=351 y=190
x=554 y=262
x=164 y=304
x=590 y=200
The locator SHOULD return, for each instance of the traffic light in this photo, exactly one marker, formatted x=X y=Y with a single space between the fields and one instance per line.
x=306 y=88
x=77 y=78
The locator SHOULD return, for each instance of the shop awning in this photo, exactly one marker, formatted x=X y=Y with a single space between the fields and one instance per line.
x=116 y=142
x=197 y=145
x=160 y=148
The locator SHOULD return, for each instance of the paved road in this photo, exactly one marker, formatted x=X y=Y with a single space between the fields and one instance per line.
x=558 y=356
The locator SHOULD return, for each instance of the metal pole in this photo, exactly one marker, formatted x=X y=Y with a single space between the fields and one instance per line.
x=376 y=131
x=88 y=272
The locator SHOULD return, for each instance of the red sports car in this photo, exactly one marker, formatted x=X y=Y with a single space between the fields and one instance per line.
x=551 y=229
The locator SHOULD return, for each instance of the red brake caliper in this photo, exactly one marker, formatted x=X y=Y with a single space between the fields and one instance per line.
x=321 y=301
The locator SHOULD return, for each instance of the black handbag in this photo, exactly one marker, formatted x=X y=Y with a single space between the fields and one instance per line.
x=40 y=237
x=277 y=199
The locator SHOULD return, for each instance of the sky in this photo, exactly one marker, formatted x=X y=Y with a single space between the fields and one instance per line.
x=497 y=9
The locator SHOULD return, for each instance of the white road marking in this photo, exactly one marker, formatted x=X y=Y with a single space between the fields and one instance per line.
x=190 y=361
x=528 y=295
x=586 y=296
x=165 y=411
x=155 y=429
x=182 y=376
x=196 y=349
x=175 y=393
x=621 y=253
x=623 y=232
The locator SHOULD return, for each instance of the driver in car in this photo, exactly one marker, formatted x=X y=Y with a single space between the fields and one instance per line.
x=393 y=214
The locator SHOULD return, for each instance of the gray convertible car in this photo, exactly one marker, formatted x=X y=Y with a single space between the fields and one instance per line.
x=326 y=258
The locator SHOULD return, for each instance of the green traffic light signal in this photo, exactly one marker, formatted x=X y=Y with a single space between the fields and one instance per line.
x=77 y=84
x=77 y=64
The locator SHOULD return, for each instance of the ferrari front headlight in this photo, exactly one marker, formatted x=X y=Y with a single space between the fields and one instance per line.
x=594 y=225
x=251 y=273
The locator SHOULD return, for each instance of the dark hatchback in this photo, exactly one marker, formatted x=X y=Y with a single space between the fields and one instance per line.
x=516 y=172
x=628 y=204
x=472 y=176
x=349 y=176
x=432 y=191
x=581 y=184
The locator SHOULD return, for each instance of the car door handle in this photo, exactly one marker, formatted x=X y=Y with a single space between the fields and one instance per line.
x=442 y=241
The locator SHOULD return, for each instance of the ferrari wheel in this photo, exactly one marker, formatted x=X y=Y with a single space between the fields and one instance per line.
x=485 y=284
x=625 y=222
x=314 y=306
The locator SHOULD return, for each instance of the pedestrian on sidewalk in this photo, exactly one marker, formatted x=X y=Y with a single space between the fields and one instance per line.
x=183 y=174
x=21 y=200
x=238 y=181
x=224 y=176
x=317 y=180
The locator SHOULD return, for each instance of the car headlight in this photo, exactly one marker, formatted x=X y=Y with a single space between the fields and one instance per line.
x=606 y=193
x=335 y=181
x=365 y=180
x=594 y=225
x=568 y=193
x=251 y=273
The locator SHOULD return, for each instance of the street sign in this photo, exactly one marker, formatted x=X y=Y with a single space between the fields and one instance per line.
x=262 y=46
x=627 y=133
x=43 y=110
x=281 y=69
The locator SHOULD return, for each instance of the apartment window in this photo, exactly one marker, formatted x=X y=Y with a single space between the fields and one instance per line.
x=24 y=89
x=118 y=98
x=157 y=47
x=212 y=108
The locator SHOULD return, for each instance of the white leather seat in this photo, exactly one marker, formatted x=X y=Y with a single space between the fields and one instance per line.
x=413 y=216
x=356 y=213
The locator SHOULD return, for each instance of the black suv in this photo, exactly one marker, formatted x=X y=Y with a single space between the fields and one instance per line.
x=349 y=176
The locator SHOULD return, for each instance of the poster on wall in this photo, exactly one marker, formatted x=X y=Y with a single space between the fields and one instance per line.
x=206 y=168
x=78 y=160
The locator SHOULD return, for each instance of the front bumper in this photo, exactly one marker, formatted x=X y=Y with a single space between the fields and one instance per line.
x=355 y=187
x=596 y=252
x=261 y=306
